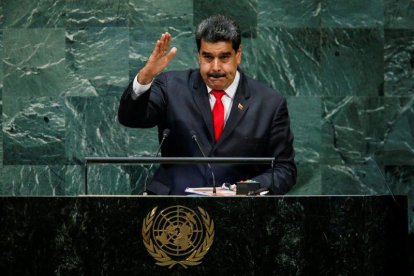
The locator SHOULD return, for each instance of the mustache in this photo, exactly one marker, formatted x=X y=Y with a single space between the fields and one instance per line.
x=216 y=75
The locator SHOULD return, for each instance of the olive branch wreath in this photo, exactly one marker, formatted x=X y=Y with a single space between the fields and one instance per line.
x=162 y=257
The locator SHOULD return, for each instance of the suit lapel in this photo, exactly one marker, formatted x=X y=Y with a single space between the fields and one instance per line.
x=240 y=105
x=201 y=99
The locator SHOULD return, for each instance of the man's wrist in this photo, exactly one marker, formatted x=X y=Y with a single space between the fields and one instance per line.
x=139 y=88
x=144 y=78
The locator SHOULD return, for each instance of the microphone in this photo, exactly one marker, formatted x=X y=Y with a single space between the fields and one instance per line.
x=194 y=136
x=165 y=134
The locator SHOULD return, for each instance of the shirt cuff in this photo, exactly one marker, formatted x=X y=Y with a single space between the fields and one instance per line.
x=138 y=89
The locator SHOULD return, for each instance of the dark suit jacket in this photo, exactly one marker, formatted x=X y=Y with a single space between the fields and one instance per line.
x=258 y=126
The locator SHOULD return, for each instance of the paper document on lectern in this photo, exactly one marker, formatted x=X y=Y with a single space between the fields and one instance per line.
x=208 y=191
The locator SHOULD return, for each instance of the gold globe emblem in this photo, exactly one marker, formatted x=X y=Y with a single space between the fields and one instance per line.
x=178 y=235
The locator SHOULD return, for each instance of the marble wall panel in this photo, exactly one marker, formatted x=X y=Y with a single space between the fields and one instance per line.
x=160 y=13
x=96 y=13
x=399 y=62
x=399 y=134
x=247 y=8
x=1 y=15
x=98 y=58
x=1 y=64
x=399 y=14
x=305 y=114
x=352 y=62
x=305 y=120
x=352 y=13
x=39 y=180
x=119 y=180
x=287 y=60
x=289 y=14
x=34 y=62
x=1 y=91
x=33 y=131
x=92 y=129
x=354 y=179
x=1 y=138
x=309 y=181
x=108 y=180
x=353 y=129
x=34 y=14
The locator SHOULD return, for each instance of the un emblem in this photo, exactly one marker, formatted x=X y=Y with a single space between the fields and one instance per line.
x=178 y=235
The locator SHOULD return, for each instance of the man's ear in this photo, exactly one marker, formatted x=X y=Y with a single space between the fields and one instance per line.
x=239 y=54
x=198 y=58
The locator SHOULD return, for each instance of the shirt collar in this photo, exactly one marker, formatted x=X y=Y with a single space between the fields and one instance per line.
x=231 y=90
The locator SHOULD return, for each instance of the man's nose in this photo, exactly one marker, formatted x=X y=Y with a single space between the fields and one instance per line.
x=216 y=64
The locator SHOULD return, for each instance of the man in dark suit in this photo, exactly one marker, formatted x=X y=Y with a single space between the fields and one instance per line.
x=231 y=114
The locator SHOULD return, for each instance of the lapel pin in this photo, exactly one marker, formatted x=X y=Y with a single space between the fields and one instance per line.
x=240 y=106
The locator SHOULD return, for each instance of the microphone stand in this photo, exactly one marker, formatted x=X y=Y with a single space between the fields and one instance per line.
x=165 y=134
x=194 y=136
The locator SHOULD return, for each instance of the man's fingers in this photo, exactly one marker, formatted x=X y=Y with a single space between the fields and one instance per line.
x=165 y=40
x=166 y=36
x=162 y=44
x=171 y=54
x=157 y=48
x=158 y=60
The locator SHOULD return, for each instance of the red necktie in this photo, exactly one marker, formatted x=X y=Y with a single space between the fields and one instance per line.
x=218 y=113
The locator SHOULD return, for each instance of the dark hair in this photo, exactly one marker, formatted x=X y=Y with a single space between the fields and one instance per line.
x=218 y=28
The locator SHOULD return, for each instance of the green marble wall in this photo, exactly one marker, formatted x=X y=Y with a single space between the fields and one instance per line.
x=346 y=67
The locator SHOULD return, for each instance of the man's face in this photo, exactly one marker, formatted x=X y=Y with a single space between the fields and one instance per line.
x=218 y=63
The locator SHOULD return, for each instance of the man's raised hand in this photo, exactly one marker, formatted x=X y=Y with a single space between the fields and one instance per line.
x=158 y=60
